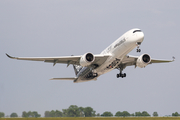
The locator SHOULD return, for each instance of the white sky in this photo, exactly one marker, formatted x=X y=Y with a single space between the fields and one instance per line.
x=46 y=28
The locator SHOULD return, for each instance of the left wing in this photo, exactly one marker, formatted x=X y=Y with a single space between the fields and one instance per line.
x=99 y=59
x=161 y=61
x=131 y=60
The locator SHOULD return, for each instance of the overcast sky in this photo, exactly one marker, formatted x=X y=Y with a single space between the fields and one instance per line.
x=47 y=28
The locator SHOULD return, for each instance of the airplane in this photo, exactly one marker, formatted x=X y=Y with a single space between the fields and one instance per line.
x=89 y=67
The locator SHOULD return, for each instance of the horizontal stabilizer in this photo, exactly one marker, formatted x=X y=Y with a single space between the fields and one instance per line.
x=74 y=78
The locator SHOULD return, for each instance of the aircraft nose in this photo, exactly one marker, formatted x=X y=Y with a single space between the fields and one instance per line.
x=140 y=36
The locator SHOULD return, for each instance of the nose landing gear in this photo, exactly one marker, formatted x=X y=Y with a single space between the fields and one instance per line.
x=138 y=45
x=138 y=50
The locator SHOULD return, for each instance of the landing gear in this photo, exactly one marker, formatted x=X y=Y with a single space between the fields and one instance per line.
x=92 y=75
x=121 y=74
x=138 y=50
x=95 y=74
x=138 y=45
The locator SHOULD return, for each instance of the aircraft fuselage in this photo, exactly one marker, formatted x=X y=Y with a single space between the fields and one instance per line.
x=118 y=50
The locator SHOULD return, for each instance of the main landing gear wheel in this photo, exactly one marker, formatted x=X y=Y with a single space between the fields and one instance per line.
x=95 y=74
x=121 y=67
x=121 y=75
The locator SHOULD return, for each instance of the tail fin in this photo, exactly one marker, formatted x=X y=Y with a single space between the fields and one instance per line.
x=77 y=68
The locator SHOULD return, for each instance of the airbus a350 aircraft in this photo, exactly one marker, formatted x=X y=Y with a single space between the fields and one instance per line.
x=89 y=67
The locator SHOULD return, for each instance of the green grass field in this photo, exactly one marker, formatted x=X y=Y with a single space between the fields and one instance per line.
x=97 y=118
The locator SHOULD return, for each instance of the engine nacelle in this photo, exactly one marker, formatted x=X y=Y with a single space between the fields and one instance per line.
x=86 y=59
x=143 y=60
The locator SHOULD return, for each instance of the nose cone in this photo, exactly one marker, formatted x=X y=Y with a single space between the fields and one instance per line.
x=140 y=36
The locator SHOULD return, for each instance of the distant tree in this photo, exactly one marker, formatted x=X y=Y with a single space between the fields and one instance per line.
x=122 y=114
x=118 y=114
x=89 y=112
x=65 y=112
x=175 y=114
x=2 y=114
x=13 y=115
x=73 y=111
x=35 y=114
x=125 y=114
x=144 y=113
x=98 y=114
x=30 y=114
x=81 y=110
x=58 y=113
x=24 y=114
x=132 y=114
x=107 y=114
x=155 y=114
x=47 y=114
x=53 y=113
x=138 y=114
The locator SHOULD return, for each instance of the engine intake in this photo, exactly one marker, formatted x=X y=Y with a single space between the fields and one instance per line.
x=89 y=57
x=86 y=59
x=143 y=60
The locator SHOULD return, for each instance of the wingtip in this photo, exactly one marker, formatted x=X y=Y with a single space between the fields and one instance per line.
x=173 y=58
x=10 y=56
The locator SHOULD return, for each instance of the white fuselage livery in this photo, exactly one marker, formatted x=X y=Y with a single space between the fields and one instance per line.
x=88 y=66
x=117 y=51
x=120 y=48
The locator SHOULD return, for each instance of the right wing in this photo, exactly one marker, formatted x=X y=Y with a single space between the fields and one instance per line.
x=99 y=59
x=70 y=59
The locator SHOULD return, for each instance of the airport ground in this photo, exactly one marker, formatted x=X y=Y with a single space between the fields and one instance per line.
x=97 y=118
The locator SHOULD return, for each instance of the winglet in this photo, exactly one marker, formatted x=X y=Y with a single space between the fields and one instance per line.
x=173 y=58
x=10 y=56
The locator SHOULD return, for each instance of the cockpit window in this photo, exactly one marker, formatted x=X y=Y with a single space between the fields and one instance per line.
x=136 y=31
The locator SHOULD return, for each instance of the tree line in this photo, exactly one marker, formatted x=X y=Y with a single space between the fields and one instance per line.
x=75 y=111
x=72 y=111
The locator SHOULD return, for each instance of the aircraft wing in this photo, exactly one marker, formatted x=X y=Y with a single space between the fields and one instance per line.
x=73 y=78
x=131 y=60
x=99 y=59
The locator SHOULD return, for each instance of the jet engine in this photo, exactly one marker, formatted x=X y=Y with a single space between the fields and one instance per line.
x=86 y=59
x=143 y=60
